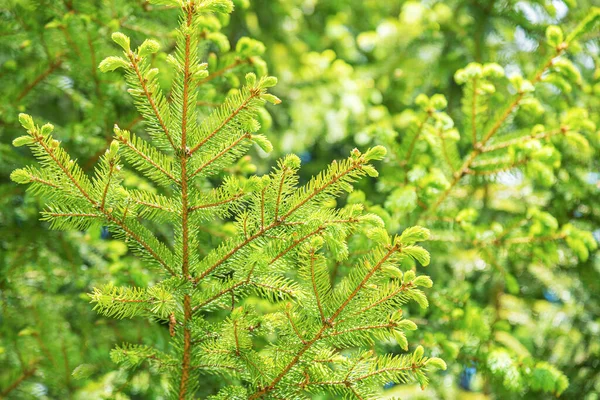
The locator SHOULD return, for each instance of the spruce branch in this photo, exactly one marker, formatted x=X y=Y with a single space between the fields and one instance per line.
x=55 y=64
x=238 y=62
x=498 y=123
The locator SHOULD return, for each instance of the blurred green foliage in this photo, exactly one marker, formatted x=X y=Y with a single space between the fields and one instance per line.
x=515 y=307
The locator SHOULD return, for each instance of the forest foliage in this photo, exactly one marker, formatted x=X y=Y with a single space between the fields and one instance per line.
x=215 y=269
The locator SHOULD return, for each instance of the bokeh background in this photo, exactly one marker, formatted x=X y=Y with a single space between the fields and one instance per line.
x=349 y=75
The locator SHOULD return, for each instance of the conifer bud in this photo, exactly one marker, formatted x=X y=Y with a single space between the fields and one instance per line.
x=217 y=6
x=112 y=63
x=407 y=325
x=391 y=271
x=493 y=70
x=436 y=363
x=252 y=125
x=47 y=129
x=418 y=354
x=247 y=47
x=414 y=234
x=409 y=276
x=554 y=35
x=150 y=46
x=378 y=235
x=474 y=70
x=221 y=41
x=397 y=315
x=54 y=144
x=372 y=219
x=260 y=66
x=423 y=280
x=151 y=74
x=370 y=170
x=201 y=71
x=422 y=100
x=438 y=101
x=292 y=161
x=122 y=40
x=269 y=81
x=26 y=121
x=316 y=242
x=20 y=176
x=250 y=79
x=401 y=339
x=114 y=148
x=375 y=153
x=262 y=142
x=271 y=98
x=22 y=141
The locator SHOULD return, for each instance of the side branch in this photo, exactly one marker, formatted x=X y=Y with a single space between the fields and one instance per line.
x=276 y=223
x=326 y=325
x=220 y=154
x=220 y=72
x=226 y=121
x=151 y=100
x=29 y=371
x=108 y=215
x=478 y=148
x=53 y=66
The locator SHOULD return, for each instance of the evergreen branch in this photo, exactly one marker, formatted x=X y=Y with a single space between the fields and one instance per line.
x=293 y=325
x=219 y=294
x=136 y=237
x=218 y=203
x=40 y=140
x=389 y=369
x=414 y=140
x=534 y=239
x=272 y=287
x=498 y=170
x=147 y=154
x=279 y=191
x=356 y=393
x=364 y=281
x=445 y=153
x=187 y=334
x=43 y=182
x=57 y=157
x=27 y=372
x=253 y=94
x=328 y=323
x=151 y=102
x=508 y=143
x=295 y=243
x=220 y=154
x=478 y=147
x=158 y=205
x=402 y=288
x=51 y=68
x=314 y=284
x=107 y=185
x=70 y=215
x=220 y=72
x=247 y=281
x=308 y=197
x=358 y=329
x=266 y=389
x=237 y=340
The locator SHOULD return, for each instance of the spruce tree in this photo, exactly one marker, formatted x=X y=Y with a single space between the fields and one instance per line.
x=481 y=185
x=315 y=337
x=371 y=63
